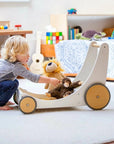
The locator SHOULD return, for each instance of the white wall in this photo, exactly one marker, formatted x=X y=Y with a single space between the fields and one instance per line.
x=35 y=15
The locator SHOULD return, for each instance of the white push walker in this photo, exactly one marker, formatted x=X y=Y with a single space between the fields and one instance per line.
x=92 y=92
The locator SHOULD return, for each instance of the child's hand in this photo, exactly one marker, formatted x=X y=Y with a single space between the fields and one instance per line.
x=54 y=81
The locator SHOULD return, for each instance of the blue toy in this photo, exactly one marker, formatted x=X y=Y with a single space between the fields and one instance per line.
x=72 y=11
x=5 y=27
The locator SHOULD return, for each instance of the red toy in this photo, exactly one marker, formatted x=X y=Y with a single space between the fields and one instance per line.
x=18 y=27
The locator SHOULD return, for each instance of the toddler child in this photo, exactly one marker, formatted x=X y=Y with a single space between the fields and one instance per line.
x=15 y=55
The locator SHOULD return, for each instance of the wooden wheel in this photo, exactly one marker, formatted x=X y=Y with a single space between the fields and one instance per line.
x=27 y=104
x=16 y=96
x=97 y=96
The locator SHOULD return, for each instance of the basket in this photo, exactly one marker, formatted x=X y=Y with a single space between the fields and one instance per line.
x=48 y=50
x=108 y=31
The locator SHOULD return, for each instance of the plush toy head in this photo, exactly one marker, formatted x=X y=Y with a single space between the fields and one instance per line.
x=66 y=82
x=52 y=66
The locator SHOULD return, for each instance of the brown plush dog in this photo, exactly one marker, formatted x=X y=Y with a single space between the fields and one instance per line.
x=64 y=89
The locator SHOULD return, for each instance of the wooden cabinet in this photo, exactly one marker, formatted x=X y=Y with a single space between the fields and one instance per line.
x=60 y=23
x=87 y=22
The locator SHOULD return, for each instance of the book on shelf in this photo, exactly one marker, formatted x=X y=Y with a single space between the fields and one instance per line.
x=72 y=33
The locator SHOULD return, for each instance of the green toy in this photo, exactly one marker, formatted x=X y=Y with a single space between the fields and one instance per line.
x=112 y=36
x=79 y=36
x=90 y=35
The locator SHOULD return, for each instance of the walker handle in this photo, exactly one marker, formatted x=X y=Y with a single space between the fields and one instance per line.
x=95 y=45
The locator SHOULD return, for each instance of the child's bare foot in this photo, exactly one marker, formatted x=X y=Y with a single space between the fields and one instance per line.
x=6 y=107
x=10 y=103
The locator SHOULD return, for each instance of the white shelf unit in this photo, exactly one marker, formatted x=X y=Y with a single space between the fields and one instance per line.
x=87 y=22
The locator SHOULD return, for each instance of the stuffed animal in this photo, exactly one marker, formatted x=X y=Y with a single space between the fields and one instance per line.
x=64 y=89
x=52 y=68
x=90 y=35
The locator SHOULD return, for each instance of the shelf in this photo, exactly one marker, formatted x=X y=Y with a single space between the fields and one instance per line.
x=97 y=22
x=90 y=14
x=15 y=32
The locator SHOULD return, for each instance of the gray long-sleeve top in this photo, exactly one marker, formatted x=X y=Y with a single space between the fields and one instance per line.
x=9 y=71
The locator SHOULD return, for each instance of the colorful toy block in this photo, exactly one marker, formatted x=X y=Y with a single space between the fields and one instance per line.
x=53 y=37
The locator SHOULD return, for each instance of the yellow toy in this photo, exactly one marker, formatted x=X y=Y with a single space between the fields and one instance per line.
x=52 y=68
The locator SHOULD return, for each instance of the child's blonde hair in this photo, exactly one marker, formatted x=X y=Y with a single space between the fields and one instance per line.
x=14 y=45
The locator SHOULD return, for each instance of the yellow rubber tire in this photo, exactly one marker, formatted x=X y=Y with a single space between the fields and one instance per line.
x=27 y=105
x=97 y=96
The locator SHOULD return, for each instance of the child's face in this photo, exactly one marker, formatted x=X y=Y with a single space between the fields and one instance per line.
x=23 y=58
